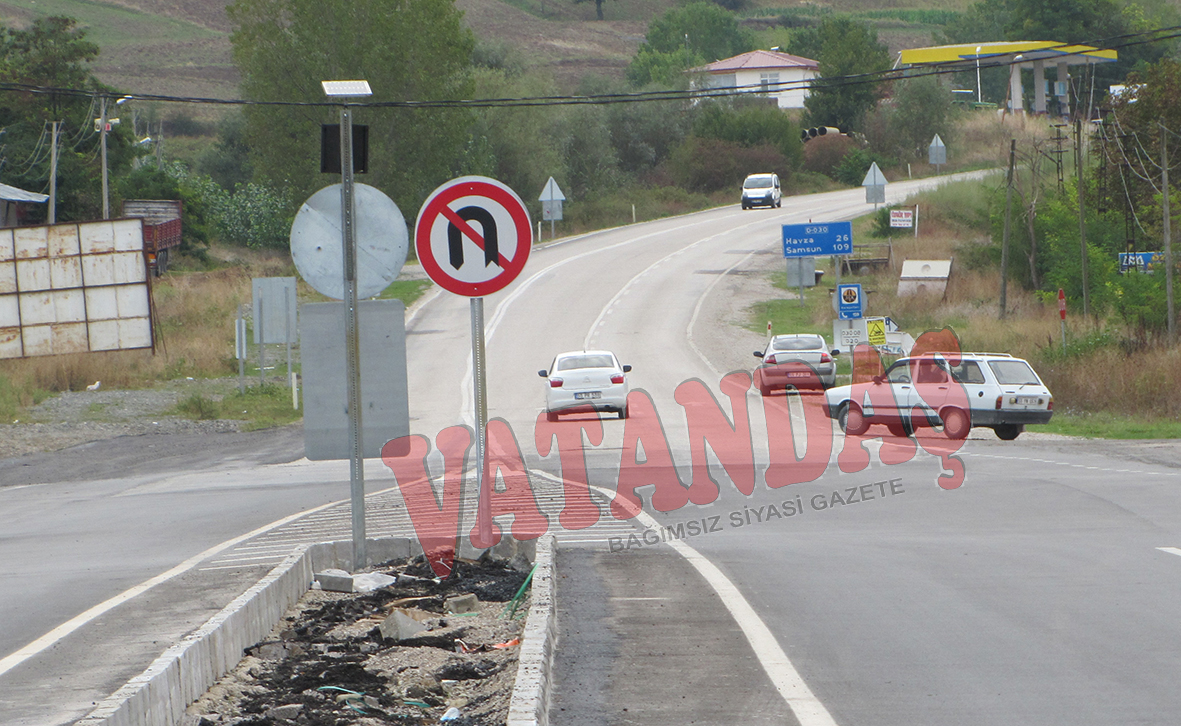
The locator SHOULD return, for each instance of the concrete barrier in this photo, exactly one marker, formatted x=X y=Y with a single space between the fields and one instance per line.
x=184 y=672
x=530 y=702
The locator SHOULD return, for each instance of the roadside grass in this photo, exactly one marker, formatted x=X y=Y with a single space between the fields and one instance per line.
x=1110 y=381
x=1107 y=425
x=260 y=406
x=195 y=311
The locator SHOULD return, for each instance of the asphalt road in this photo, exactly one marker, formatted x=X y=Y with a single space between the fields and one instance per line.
x=1034 y=593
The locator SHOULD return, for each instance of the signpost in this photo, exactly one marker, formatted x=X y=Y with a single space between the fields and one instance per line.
x=816 y=240
x=936 y=153
x=875 y=186
x=473 y=236
x=551 y=204
x=1062 y=314
x=850 y=302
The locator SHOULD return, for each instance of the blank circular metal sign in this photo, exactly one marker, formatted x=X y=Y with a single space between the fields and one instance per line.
x=317 y=244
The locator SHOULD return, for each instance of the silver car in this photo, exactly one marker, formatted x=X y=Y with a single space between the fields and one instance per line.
x=800 y=361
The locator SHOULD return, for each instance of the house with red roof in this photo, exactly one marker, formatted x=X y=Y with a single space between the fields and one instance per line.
x=782 y=76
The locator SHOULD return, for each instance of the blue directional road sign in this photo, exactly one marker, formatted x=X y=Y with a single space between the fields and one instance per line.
x=818 y=240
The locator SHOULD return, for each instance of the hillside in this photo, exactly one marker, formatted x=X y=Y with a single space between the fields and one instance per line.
x=181 y=47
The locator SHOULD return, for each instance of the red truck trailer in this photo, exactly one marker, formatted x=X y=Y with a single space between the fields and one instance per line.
x=161 y=228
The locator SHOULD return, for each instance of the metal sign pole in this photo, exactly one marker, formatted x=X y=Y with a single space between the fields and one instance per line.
x=262 y=342
x=800 y=272
x=479 y=382
x=287 y=330
x=352 y=351
x=240 y=348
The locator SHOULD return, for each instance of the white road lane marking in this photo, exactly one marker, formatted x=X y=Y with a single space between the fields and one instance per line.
x=1170 y=550
x=54 y=636
x=804 y=704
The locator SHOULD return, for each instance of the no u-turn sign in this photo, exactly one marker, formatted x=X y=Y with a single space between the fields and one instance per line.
x=473 y=236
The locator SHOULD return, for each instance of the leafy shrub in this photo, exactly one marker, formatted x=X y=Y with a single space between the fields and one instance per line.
x=709 y=165
x=822 y=154
x=198 y=407
x=854 y=166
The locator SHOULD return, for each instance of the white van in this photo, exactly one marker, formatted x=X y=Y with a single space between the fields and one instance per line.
x=761 y=190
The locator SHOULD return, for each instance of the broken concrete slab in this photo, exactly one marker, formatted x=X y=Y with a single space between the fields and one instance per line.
x=468 y=603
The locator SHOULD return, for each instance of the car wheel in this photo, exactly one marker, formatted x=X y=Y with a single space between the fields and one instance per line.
x=623 y=412
x=764 y=389
x=779 y=204
x=956 y=423
x=899 y=430
x=852 y=421
x=551 y=416
x=1008 y=432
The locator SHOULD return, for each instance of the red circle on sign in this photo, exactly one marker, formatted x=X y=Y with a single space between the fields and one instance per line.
x=437 y=214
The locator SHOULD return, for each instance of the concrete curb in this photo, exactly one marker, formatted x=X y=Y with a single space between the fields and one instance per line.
x=184 y=672
x=529 y=705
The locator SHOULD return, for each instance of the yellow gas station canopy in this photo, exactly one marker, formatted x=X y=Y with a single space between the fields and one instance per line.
x=1031 y=51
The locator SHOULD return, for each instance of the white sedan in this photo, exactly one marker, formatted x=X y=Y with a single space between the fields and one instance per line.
x=584 y=381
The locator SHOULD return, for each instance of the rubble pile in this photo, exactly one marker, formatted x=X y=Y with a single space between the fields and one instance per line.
x=418 y=650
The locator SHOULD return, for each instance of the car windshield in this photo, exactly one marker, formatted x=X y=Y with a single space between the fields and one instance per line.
x=586 y=361
x=797 y=344
x=1013 y=372
x=759 y=182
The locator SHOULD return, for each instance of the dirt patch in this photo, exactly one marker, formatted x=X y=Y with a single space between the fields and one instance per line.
x=328 y=661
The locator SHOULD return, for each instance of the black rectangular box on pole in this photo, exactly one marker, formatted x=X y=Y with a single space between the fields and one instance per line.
x=330 y=149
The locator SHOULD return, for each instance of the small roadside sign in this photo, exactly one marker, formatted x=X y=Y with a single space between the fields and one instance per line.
x=551 y=193
x=850 y=303
x=1061 y=303
x=875 y=331
x=875 y=185
x=903 y=218
x=937 y=152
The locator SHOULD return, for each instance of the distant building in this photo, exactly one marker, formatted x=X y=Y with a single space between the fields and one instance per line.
x=781 y=76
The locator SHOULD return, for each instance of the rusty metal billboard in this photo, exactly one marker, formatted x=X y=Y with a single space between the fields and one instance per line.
x=73 y=288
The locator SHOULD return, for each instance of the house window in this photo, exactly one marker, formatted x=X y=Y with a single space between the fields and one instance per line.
x=769 y=82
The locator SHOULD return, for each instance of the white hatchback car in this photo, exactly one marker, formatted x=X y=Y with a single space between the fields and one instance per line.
x=585 y=380
x=761 y=190
x=999 y=392
x=800 y=360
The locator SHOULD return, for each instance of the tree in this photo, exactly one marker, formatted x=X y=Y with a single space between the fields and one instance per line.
x=848 y=53
x=53 y=53
x=749 y=125
x=683 y=37
x=408 y=50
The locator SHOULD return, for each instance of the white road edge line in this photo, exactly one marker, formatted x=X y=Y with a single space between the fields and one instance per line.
x=1170 y=550
x=57 y=634
x=808 y=709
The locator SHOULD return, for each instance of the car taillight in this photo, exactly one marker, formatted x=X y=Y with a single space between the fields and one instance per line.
x=825 y=358
x=557 y=383
x=617 y=379
x=1050 y=405
x=998 y=402
x=769 y=359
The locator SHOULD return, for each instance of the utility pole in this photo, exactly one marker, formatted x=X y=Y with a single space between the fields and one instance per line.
x=53 y=174
x=102 y=130
x=1164 y=165
x=1005 y=237
x=1082 y=225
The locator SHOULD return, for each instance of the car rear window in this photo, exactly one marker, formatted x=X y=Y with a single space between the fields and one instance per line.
x=757 y=183
x=1013 y=372
x=797 y=344
x=585 y=361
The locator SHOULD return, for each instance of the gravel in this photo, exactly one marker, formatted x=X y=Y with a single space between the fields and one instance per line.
x=78 y=417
